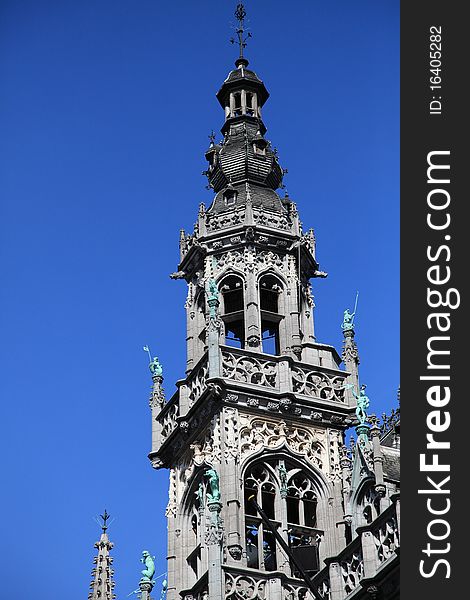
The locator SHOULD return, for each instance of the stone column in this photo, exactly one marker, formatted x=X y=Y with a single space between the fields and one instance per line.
x=214 y=542
x=172 y=593
x=213 y=333
x=378 y=460
x=369 y=553
x=145 y=587
x=252 y=318
x=350 y=356
x=231 y=486
x=336 y=581
x=156 y=403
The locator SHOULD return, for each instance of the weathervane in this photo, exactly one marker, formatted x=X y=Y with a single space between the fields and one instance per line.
x=240 y=15
x=105 y=518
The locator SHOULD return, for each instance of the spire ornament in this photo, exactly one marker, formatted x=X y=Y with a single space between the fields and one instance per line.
x=240 y=14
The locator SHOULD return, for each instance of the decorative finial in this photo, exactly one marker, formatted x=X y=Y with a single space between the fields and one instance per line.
x=212 y=138
x=105 y=518
x=240 y=14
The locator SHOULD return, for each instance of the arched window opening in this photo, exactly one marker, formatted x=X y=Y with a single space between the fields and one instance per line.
x=233 y=311
x=250 y=104
x=230 y=197
x=237 y=100
x=297 y=516
x=302 y=521
x=192 y=533
x=260 y=542
x=368 y=507
x=269 y=294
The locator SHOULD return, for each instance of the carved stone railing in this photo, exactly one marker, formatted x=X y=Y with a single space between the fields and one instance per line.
x=363 y=558
x=225 y=220
x=352 y=567
x=247 y=586
x=197 y=382
x=168 y=418
x=309 y=381
x=292 y=591
x=250 y=369
x=273 y=220
x=385 y=535
x=322 y=584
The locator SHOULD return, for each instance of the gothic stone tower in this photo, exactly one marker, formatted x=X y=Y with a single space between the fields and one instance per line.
x=263 y=407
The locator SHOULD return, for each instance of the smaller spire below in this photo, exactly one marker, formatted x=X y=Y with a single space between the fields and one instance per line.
x=240 y=14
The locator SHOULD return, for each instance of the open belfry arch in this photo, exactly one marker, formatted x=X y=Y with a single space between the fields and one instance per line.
x=263 y=408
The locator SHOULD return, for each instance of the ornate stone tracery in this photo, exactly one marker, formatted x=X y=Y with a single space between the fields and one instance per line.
x=258 y=434
x=248 y=369
x=318 y=384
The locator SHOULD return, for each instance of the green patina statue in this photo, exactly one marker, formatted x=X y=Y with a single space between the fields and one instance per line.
x=213 y=481
x=213 y=298
x=363 y=404
x=155 y=367
x=348 y=320
x=149 y=570
x=213 y=291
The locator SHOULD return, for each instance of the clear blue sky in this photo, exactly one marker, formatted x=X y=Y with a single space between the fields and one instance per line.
x=105 y=111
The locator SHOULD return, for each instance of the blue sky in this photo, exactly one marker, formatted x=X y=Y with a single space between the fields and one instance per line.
x=105 y=111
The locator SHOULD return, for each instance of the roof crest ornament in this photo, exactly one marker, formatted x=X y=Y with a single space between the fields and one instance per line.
x=240 y=14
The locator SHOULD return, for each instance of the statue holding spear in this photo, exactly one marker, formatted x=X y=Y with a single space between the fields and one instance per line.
x=348 y=318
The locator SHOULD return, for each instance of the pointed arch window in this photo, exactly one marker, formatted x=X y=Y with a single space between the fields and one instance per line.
x=289 y=499
x=233 y=313
x=270 y=289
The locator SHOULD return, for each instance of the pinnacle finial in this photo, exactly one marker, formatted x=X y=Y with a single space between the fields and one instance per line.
x=105 y=518
x=240 y=14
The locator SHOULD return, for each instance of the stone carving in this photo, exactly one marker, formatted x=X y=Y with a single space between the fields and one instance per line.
x=171 y=508
x=235 y=551
x=231 y=435
x=248 y=369
x=227 y=219
x=318 y=384
x=198 y=384
x=268 y=258
x=324 y=587
x=282 y=478
x=168 y=421
x=258 y=434
x=273 y=220
x=352 y=571
x=253 y=402
x=232 y=258
x=231 y=397
x=386 y=539
x=208 y=448
x=291 y=592
x=244 y=587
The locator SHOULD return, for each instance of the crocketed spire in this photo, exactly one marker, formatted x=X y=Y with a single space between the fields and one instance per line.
x=102 y=584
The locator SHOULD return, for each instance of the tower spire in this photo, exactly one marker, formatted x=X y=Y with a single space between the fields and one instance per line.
x=240 y=14
x=102 y=584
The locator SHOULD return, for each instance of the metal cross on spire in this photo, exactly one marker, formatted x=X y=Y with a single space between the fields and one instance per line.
x=240 y=14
